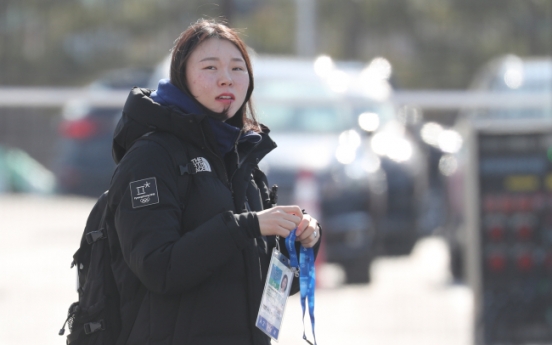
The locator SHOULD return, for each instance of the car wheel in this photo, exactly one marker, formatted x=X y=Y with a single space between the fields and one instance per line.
x=456 y=264
x=357 y=272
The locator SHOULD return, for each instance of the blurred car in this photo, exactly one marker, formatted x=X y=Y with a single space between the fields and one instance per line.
x=20 y=173
x=400 y=199
x=309 y=121
x=400 y=193
x=514 y=75
x=343 y=135
x=84 y=164
x=508 y=75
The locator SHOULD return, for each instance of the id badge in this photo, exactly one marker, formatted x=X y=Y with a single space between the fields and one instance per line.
x=275 y=295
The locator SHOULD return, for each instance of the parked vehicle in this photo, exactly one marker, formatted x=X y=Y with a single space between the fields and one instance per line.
x=84 y=165
x=400 y=195
x=310 y=121
x=372 y=176
x=400 y=201
x=511 y=75
x=20 y=173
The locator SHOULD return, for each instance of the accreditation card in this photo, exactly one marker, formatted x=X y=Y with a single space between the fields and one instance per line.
x=275 y=295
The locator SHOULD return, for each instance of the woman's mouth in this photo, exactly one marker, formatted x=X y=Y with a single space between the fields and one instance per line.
x=225 y=98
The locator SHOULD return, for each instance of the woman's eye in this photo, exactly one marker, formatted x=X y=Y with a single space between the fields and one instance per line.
x=239 y=69
x=209 y=67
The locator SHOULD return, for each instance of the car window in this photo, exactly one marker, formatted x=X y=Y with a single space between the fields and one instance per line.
x=386 y=111
x=123 y=79
x=529 y=78
x=304 y=118
x=292 y=89
x=517 y=113
x=540 y=84
x=307 y=106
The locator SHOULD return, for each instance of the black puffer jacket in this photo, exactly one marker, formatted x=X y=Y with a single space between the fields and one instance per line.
x=203 y=263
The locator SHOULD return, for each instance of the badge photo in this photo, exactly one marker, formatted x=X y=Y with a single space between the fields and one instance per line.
x=275 y=295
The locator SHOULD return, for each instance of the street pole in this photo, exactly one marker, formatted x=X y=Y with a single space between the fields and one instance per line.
x=227 y=7
x=305 y=35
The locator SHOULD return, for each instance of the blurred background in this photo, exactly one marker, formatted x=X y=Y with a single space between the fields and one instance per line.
x=418 y=132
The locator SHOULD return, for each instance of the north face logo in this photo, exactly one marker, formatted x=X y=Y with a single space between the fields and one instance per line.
x=201 y=164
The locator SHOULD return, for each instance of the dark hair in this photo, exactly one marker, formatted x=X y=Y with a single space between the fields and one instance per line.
x=189 y=40
x=282 y=281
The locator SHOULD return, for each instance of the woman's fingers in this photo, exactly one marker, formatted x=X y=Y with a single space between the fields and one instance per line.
x=290 y=209
x=309 y=244
x=279 y=220
x=306 y=227
x=294 y=220
x=302 y=227
x=307 y=231
x=287 y=225
x=310 y=241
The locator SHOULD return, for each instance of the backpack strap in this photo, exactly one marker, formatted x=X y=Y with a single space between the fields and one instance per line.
x=101 y=233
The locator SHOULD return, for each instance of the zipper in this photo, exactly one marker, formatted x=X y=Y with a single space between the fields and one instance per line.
x=246 y=155
x=242 y=161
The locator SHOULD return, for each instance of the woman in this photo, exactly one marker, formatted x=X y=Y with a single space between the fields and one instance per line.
x=284 y=283
x=203 y=258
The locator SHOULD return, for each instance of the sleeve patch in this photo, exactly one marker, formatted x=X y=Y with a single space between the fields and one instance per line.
x=144 y=192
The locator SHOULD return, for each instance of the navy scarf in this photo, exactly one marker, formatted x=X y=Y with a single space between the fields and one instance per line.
x=226 y=135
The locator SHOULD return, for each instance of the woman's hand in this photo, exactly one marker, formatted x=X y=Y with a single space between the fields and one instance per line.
x=279 y=220
x=307 y=231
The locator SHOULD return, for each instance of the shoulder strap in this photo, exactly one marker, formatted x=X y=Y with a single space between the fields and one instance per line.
x=101 y=232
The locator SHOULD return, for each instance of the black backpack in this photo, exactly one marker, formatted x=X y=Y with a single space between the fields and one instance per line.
x=95 y=318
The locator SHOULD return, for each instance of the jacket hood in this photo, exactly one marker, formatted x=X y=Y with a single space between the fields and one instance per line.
x=226 y=134
x=142 y=115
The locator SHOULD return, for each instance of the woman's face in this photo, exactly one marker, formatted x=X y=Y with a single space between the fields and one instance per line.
x=283 y=286
x=217 y=76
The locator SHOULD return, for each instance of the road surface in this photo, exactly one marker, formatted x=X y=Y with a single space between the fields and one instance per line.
x=410 y=300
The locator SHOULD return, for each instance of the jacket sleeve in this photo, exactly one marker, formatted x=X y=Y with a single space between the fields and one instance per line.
x=150 y=238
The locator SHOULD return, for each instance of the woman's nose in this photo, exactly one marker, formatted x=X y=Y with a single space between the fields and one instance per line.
x=225 y=79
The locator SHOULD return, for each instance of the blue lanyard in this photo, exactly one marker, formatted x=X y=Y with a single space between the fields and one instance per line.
x=306 y=277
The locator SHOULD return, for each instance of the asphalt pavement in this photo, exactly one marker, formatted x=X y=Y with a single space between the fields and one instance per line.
x=410 y=300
